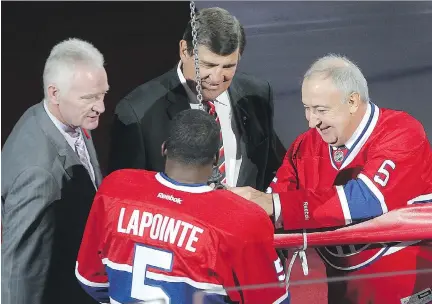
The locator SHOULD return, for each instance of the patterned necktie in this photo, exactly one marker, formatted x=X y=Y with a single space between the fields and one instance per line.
x=339 y=155
x=219 y=171
x=81 y=152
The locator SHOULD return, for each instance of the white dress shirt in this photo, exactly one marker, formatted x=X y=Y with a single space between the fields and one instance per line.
x=70 y=140
x=224 y=112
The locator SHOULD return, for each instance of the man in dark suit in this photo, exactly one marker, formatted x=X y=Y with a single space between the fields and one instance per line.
x=242 y=104
x=50 y=173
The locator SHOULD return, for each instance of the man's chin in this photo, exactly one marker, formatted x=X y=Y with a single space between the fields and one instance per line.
x=330 y=140
x=210 y=94
x=90 y=125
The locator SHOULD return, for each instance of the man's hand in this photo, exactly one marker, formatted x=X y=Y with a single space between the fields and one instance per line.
x=264 y=200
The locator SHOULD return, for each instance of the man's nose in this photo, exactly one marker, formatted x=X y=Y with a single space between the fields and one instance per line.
x=216 y=75
x=313 y=120
x=99 y=106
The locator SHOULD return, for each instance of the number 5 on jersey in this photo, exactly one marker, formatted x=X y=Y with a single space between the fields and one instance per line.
x=384 y=173
x=156 y=258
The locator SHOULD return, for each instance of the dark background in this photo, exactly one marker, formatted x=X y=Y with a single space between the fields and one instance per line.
x=139 y=41
x=390 y=41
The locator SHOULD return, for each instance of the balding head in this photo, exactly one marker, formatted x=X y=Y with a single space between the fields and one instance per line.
x=344 y=74
x=335 y=97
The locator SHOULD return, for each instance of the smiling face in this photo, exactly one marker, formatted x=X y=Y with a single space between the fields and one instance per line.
x=325 y=110
x=82 y=103
x=216 y=71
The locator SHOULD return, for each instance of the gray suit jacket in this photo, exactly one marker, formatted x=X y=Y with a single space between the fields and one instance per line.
x=46 y=197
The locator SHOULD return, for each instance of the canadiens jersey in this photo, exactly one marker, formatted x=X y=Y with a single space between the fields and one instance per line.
x=388 y=165
x=149 y=238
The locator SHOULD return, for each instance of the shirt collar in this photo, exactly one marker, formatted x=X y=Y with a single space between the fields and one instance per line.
x=350 y=142
x=64 y=129
x=191 y=188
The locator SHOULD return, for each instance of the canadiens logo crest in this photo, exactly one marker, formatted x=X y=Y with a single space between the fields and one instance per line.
x=338 y=156
x=352 y=257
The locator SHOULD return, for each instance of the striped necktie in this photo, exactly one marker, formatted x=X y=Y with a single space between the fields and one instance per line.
x=218 y=171
x=80 y=150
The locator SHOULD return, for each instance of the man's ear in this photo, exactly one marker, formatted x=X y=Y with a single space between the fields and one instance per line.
x=53 y=94
x=163 y=149
x=184 y=56
x=216 y=159
x=354 y=102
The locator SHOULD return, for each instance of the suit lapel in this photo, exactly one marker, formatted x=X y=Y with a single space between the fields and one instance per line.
x=177 y=97
x=67 y=156
x=240 y=114
x=249 y=134
x=241 y=120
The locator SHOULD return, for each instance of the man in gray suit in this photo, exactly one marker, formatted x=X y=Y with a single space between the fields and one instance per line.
x=50 y=173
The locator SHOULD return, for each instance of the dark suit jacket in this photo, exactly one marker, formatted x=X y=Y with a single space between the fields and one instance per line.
x=46 y=197
x=142 y=120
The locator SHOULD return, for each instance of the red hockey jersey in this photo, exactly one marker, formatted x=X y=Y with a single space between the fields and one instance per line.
x=388 y=165
x=149 y=237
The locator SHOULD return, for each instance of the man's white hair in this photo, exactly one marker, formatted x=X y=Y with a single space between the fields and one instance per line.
x=64 y=57
x=345 y=75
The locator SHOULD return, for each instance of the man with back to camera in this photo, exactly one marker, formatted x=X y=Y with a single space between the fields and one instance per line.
x=356 y=162
x=250 y=150
x=50 y=173
x=168 y=235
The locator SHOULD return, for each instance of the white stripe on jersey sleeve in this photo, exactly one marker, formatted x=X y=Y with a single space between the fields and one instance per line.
x=213 y=288
x=344 y=204
x=421 y=198
x=87 y=282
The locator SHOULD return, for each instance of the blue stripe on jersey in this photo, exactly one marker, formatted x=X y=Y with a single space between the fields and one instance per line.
x=212 y=299
x=422 y=202
x=179 y=292
x=120 y=285
x=366 y=127
x=362 y=203
x=100 y=294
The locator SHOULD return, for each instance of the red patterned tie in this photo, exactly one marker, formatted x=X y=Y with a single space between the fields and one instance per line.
x=221 y=164
x=339 y=155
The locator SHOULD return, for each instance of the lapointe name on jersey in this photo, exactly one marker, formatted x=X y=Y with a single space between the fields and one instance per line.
x=159 y=227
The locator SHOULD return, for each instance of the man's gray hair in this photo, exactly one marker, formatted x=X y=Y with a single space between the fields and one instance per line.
x=346 y=75
x=64 y=57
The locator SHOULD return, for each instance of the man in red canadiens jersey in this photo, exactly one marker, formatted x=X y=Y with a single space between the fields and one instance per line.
x=356 y=162
x=167 y=236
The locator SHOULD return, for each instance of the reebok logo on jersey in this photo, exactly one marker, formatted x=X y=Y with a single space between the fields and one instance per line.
x=169 y=198
x=306 y=211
